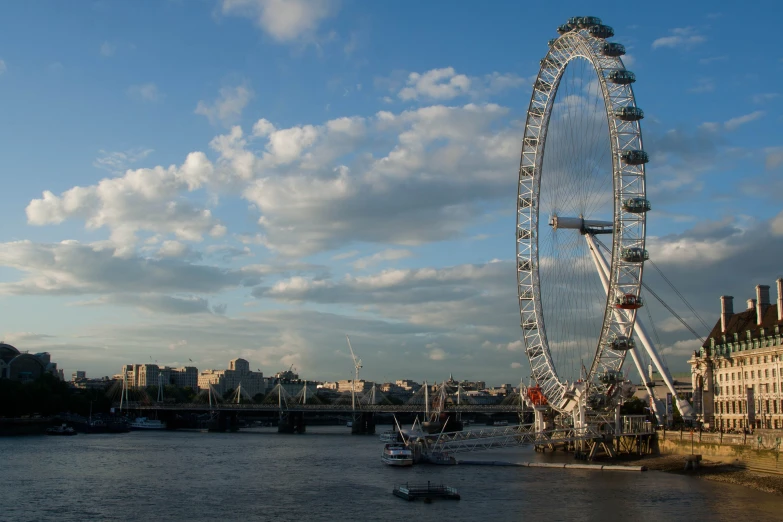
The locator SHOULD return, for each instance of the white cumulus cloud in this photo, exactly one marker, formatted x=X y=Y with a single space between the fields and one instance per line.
x=682 y=37
x=228 y=106
x=284 y=20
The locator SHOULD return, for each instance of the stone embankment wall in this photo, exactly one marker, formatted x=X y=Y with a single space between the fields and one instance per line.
x=760 y=451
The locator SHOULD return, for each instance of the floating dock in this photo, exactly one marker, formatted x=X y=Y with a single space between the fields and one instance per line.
x=427 y=492
x=558 y=465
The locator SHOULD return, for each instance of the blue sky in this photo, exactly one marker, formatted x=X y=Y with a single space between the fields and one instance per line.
x=258 y=178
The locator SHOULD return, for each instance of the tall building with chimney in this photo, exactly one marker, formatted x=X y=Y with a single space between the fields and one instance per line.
x=736 y=376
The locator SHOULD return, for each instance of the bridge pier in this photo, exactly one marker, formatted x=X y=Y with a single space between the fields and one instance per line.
x=224 y=421
x=291 y=422
x=363 y=424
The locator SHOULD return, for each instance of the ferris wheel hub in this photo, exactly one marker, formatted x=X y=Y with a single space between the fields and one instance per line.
x=585 y=226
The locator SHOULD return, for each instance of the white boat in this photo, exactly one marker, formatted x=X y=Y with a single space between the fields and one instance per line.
x=397 y=455
x=390 y=436
x=143 y=423
x=61 y=430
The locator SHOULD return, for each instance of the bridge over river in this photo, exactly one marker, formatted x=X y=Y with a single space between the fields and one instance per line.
x=318 y=408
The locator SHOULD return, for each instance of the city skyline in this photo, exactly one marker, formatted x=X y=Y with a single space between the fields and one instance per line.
x=243 y=182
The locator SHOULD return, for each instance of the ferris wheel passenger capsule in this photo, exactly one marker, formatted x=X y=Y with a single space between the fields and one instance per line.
x=612 y=49
x=621 y=77
x=563 y=29
x=629 y=113
x=611 y=377
x=634 y=255
x=634 y=157
x=622 y=343
x=636 y=205
x=601 y=31
x=628 y=302
x=586 y=21
x=551 y=42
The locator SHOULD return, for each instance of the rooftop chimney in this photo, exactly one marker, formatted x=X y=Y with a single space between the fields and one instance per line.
x=751 y=304
x=762 y=295
x=780 y=298
x=726 y=311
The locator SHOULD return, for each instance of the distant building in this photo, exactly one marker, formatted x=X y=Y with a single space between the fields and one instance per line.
x=23 y=366
x=185 y=377
x=473 y=385
x=736 y=375
x=360 y=386
x=408 y=385
x=92 y=384
x=143 y=375
x=238 y=372
x=78 y=374
x=682 y=388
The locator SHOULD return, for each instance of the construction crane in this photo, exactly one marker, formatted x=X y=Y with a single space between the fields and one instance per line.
x=357 y=364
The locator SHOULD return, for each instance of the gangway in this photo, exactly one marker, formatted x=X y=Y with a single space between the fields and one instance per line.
x=589 y=439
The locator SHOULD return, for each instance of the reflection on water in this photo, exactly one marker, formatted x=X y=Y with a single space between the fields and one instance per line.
x=326 y=475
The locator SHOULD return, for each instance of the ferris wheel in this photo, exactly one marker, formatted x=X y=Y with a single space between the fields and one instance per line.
x=581 y=213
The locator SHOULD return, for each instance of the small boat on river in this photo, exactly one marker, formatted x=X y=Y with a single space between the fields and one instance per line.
x=143 y=423
x=61 y=430
x=397 y=455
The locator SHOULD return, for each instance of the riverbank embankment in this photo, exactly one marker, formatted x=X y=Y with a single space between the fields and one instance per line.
x=712 y=469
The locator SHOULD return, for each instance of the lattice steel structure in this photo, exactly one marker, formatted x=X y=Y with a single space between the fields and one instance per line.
x=584 y=38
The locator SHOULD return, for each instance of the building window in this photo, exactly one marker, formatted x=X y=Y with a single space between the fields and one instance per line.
x=766 y=372
x=752 y=374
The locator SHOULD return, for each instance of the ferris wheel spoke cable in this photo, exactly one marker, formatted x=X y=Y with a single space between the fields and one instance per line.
x=695 y=313
x=660 y=300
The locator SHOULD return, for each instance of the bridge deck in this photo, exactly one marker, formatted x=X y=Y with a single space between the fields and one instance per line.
x=336 y=408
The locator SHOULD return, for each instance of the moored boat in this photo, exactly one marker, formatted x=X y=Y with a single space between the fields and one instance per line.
x=61 y=430
x=143 y=423
x=397 y=455
x=390 y=436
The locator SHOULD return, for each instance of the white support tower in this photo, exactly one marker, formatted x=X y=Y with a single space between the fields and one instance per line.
x=685 y=408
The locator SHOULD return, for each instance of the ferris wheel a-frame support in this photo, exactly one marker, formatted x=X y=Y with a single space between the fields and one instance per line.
x=685 y=408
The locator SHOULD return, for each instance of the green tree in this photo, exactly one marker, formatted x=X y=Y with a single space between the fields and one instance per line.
x=633 y=406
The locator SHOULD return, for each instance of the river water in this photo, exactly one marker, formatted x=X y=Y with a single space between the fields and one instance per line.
x=327 y=474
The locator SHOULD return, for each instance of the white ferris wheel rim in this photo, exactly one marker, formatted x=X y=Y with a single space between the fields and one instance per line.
x=628 y=182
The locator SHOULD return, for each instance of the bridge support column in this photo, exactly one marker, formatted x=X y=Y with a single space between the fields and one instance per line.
x=363 y=424
x=291 y=422
x=540 y=421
